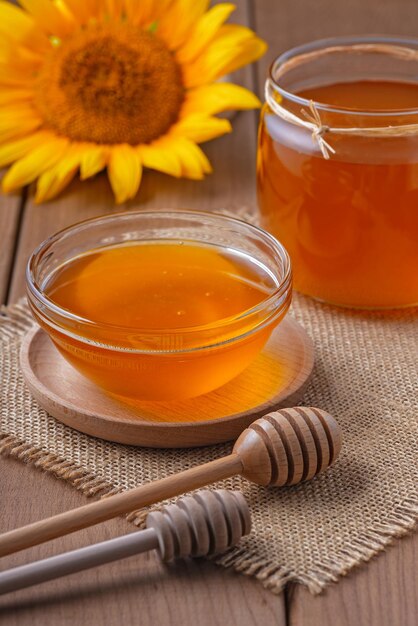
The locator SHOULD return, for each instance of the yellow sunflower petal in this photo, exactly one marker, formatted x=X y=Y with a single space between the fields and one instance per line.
x=94 y=159
x=197 y=154
x=138 y=12
x=33 y=164
x=16 y=121
x=251 y=51
x=125 y=172
x=12 y=96
x=176 y=23
x=191 y=166
x=17 y=25
x=22 y=57
x=79 y=10
x=17 y=58
x=232 y=48
x=113 y=8
x=200 y=127
x=13 y=21
x=55 y=179
x=48 y=16
x=206 y=28
x=62 y=8
x=23 y=127
x=94 y=7
x=51 y=183
x=204 y=161
x=15 y=77
x=194 y=163
x=159 y=156
x=233 y=34
x=16 y=149
x=145 y=12
x=212 y=99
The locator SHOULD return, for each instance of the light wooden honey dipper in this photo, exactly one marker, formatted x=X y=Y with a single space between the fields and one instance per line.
x=207 y=523
x=281 y=448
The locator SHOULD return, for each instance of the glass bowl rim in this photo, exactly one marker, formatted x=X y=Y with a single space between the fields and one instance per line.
x=328 y=43
x=285 y=284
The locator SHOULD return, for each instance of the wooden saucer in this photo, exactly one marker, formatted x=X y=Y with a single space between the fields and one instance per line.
x=277 y=378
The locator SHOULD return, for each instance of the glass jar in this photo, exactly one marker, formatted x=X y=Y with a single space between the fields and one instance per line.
x=337 y=168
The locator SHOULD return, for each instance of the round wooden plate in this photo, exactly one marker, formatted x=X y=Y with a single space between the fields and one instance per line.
x=277 y=378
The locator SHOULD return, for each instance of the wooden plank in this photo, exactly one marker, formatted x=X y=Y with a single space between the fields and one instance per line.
x=139 y=590
x=10 y=211
x=384 y=592
x=287 y=24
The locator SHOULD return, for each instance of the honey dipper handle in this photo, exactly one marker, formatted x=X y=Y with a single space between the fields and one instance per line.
x=105 y=509
x=78 y=560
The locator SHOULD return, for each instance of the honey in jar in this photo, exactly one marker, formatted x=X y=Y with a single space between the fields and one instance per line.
x=169 y=317
x=350 y=221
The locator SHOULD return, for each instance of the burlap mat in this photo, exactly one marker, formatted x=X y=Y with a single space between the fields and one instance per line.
x=365 y=375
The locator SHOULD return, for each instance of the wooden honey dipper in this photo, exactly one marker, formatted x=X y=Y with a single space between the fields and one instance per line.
x=207 y=523
x=281 y=448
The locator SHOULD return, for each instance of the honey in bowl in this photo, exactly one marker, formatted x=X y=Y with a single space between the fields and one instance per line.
x=349 y=222
x=163 y=319
x=170 y=287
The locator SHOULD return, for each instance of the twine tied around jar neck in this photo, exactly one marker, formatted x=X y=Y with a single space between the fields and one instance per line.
x=312 y=120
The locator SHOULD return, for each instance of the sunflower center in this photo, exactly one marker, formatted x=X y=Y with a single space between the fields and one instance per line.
x=110 y=84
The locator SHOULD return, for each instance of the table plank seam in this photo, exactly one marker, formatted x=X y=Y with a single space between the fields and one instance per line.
x=15 y=247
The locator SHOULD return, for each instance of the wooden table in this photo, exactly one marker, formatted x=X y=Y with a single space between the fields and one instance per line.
x=140 y=590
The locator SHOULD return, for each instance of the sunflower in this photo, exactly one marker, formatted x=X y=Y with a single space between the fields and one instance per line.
x=119 y=84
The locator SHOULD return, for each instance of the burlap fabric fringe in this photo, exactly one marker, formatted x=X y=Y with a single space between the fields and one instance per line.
x=365 y=375
x=311 y=120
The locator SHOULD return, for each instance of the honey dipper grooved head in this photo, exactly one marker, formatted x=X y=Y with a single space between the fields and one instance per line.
x=209 y=522
x=288 y=446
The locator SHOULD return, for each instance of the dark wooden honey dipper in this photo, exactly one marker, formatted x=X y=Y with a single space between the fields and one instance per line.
x=207 y=523
x=281 y=448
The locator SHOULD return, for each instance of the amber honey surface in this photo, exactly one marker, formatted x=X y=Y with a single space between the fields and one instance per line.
x=148 y=302
x=350 y=223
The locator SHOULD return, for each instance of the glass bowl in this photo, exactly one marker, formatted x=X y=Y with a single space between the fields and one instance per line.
x=159 y=363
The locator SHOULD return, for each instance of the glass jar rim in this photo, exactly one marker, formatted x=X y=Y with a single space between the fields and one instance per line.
x=38 y=297
x=330 y=43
